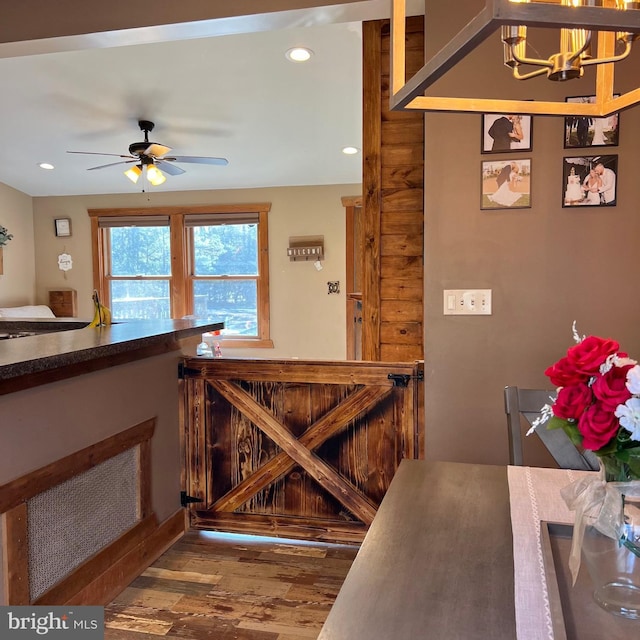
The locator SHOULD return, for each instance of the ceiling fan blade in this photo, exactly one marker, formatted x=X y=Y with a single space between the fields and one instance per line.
x=95 y=153
x=156 y=150
x=169 y=167
x=198 y=160
x=112 y=164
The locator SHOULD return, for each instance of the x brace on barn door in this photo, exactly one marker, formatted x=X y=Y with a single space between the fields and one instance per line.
x=300 y=451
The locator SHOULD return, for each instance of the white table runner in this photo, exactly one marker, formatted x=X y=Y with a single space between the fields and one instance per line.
x=534 y=495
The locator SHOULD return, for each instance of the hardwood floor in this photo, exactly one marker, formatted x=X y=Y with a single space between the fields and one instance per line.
x=223 y=587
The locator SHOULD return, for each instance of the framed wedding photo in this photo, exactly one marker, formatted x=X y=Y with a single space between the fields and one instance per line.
x=504 y=133
x=589 y=181
x=581 y=132
x=506 y=184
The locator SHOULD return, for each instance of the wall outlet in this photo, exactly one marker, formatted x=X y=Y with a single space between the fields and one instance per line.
x=467 y=302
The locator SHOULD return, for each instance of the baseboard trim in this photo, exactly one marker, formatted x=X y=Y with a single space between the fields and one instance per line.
x=109 y=583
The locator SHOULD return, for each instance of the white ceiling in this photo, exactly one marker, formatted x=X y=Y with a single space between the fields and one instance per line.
x=236 y=96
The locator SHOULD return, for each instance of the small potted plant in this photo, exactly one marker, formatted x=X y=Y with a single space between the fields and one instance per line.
x=5 y=236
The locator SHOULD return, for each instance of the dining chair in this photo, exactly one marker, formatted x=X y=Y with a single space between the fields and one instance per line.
x=527 y=404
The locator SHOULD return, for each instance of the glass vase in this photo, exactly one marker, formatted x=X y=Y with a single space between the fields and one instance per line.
x=614 y=564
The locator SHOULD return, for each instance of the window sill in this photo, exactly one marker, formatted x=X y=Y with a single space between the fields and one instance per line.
x=243 y=343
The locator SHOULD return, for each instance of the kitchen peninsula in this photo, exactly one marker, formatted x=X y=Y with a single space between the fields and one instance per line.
x=63 y=348
x=67 y=397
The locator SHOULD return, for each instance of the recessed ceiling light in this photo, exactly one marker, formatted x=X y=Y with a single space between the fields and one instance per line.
x=299 y=54
x=350 y=150
x=46 y=165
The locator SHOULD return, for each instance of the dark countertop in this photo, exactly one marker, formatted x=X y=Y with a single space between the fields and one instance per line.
x=40 y=324
x=70 y=347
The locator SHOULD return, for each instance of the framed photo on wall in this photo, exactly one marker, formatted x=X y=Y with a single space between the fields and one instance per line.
x=590 y=181
x=506 y=184
x=504 y=133
x=62 y=227
x=581 y=132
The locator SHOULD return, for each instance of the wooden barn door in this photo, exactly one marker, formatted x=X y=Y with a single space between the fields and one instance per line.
x=292 y=448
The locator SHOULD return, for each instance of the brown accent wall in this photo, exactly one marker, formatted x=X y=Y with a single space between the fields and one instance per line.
x=392 y=293
x=547 y=265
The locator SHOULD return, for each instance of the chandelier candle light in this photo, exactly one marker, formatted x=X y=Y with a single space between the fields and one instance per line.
x=617 y=23
x=598 y=406
x=575 y=47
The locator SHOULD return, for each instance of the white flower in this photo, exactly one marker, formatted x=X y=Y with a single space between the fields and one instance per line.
x=607 y=365
x=629 y=416
x=614 y=360
x=633 y=380
x=546 y=413
x=576 y=336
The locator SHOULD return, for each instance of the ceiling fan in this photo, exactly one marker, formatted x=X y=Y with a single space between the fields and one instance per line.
x=151 y=158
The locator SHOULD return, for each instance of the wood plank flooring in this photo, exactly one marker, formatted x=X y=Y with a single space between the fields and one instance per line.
x=223 y=587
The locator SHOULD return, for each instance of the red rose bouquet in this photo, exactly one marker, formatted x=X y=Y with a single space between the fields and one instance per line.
x=598 y=404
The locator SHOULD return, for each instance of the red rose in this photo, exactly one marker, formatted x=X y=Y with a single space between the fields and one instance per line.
x=598 y=426
x=563 y=374
x=572 y=401
x=611 y=388
x=587 y=356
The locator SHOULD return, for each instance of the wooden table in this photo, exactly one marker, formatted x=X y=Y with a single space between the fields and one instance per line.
x=437 y=561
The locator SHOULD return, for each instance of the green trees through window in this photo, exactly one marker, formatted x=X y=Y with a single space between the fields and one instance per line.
x=225 y=273
x=140 y=261
x=207 y=262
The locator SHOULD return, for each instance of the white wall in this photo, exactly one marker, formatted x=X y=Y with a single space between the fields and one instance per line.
x=17 y=283
x=306 y=322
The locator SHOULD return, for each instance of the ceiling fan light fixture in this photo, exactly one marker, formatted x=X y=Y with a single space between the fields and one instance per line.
x=145 y=154
x=299 y=54
x=154 y=175
x=133 y=173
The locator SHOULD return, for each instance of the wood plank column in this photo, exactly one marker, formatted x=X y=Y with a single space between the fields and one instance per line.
x=393 y=211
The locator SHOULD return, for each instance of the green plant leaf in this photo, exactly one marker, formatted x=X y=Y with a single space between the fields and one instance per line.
x=630 y=454
x=609 y=449
x=571 y=429
x=634 y=466
x=557 y=423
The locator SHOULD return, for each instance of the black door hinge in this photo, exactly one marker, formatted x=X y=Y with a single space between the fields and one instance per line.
x=186 y=500
x=402 y=379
